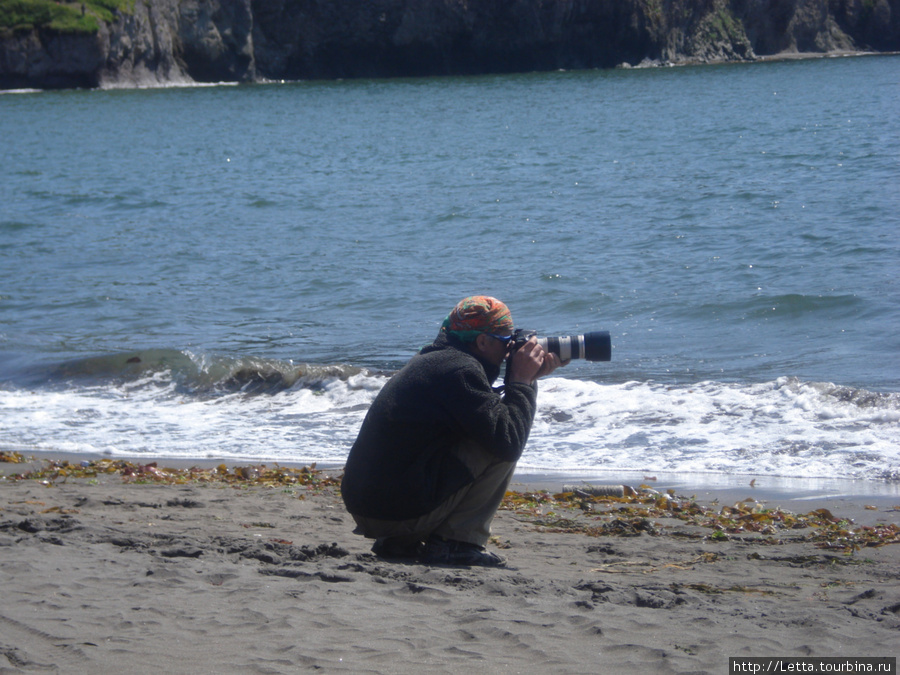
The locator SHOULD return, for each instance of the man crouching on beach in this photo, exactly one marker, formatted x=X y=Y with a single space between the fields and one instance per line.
x=439 y=445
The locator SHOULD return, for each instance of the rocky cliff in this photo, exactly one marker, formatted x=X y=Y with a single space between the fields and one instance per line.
x=182 y=41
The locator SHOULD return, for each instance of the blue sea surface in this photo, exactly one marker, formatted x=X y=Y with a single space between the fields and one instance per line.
x=232 y=271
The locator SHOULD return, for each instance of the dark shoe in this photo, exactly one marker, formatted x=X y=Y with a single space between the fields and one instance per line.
x=459 y=554
x=396 y=547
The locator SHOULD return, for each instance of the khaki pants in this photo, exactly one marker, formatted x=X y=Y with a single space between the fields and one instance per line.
x=464 y=516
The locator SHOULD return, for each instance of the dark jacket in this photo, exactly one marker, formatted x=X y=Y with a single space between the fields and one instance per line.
x=401 y=465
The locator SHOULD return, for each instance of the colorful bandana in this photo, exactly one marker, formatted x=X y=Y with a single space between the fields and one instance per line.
x=478 y=314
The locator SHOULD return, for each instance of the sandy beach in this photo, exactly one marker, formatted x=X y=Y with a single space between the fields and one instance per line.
x=128 y=568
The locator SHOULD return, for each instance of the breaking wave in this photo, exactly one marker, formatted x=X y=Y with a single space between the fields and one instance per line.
x=175 y=403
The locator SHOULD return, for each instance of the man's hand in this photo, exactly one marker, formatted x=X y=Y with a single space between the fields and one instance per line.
x=531 y=361
x=551 y=363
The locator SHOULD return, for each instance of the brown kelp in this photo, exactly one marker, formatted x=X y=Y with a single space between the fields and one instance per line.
x=646 y=511
x=54 y=471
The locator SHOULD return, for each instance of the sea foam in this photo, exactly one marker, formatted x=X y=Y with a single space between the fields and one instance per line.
x=782 y=428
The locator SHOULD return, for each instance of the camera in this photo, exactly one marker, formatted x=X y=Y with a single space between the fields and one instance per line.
x=595 y=346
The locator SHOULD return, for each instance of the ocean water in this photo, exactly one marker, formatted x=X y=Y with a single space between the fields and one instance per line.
x=234 y=271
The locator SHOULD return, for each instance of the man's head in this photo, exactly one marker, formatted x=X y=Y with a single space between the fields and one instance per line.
x=484 y=324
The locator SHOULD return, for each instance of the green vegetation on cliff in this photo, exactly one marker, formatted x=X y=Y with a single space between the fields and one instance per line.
x=59 y=17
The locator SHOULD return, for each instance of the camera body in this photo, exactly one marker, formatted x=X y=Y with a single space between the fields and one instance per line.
x=594 y=346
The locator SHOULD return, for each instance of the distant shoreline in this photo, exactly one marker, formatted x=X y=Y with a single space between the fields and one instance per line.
x=164 y=42
x=802 y=56
x=771 y=58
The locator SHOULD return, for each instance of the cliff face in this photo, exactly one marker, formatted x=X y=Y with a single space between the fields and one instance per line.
x=159 y=42
x=305 y=38
x=172 y=41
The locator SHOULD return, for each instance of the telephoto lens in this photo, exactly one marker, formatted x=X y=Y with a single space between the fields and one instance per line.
x=595 y=346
